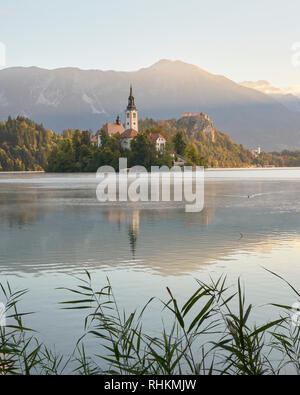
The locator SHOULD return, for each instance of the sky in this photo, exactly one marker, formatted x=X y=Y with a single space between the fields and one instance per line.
x=241 y=39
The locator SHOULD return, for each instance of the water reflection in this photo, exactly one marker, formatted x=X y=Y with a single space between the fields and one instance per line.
x=51 y=224
x=132 y=221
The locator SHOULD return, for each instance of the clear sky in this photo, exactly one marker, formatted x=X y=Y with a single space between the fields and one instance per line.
x=241 y=39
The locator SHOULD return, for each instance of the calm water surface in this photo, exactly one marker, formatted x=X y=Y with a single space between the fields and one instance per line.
x=52 y=228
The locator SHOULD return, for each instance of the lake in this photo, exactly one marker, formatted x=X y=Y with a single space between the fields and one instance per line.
x=52 y=228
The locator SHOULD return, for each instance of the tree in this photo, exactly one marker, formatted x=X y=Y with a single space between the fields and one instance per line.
x=104 y=138
x=179 y=143
x=76 y=143
x=143 y=152
x=192 y=155
x=25 y=145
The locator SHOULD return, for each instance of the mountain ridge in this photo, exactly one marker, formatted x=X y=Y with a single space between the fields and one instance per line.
x=289 y=100
x=85 y=99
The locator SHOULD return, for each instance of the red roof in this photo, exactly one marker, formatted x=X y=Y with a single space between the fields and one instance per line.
x=129 y=134
x=155 y=136
x=94 y=140
x=189 y=114
x=112 y=128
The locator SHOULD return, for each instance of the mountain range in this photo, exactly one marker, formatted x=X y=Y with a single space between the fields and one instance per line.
x=284 y=96
x=85 y=99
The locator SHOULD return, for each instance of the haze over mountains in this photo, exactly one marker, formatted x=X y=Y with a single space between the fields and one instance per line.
x=283 y=96
x=85 y=99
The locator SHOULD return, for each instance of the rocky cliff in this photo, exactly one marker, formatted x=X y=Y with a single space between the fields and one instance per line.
x=196 y=124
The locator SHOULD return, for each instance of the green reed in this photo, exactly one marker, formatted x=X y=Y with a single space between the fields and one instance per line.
x=210 y=333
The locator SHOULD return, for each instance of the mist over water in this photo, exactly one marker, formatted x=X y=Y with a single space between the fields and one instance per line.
x=52 y=227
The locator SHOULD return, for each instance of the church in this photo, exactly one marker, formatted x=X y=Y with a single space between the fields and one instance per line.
x=131 y=128
x=131 y=122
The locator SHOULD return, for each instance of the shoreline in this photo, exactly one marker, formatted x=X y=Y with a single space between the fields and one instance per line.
x=206 y=169
x=22 y=172
x=250 y=168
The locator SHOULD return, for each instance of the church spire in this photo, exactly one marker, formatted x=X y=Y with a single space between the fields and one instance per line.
x=131 y=105
x=132 y=121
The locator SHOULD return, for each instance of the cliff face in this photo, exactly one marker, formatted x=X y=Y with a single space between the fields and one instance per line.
x=194 y=125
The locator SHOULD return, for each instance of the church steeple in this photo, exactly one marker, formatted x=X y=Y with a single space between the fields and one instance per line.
x=131 y=105
x=132 y=121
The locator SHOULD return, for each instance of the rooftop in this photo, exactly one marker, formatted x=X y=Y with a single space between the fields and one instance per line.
x=155 y=136
x=112 y=128
x=129 y=134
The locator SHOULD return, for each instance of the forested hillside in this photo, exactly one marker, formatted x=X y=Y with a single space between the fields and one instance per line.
x=24 y=145
x=215 y=147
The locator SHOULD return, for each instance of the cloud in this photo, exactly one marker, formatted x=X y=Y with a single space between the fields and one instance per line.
x=294 y=90
x=267 y=88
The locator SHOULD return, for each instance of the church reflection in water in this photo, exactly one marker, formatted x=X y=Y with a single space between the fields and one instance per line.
x=134 y=229
x=132 y=220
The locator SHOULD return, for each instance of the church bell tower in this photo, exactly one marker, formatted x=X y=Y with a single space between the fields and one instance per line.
x=131 y=116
